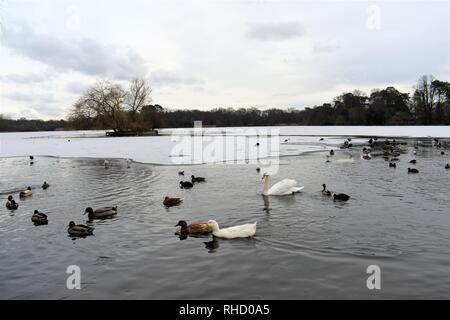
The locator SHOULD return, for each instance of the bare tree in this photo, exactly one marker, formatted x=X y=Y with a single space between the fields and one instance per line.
x=106 y=100
x=137 y=96
x=425 y=96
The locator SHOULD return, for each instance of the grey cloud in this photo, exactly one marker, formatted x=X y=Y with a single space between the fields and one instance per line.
x=29 y=98
x=275 y=31
x=76 y=87
x=169 y=78
x=84 y=55
x=26 y=78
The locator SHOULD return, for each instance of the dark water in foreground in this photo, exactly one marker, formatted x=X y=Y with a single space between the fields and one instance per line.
x=306 y=246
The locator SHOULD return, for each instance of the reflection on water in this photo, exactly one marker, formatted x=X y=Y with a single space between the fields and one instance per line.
x=307 y=245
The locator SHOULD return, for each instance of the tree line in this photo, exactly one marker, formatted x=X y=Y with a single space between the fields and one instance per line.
x=108 y=105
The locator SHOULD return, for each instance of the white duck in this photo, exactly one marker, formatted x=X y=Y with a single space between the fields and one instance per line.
x=242 y=231
x=282 y=188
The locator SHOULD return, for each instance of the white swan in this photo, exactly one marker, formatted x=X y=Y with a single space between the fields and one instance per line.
x=242 y=231
x=282 y=188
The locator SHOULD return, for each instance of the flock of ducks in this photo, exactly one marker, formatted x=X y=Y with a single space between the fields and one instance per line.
x=284 y=187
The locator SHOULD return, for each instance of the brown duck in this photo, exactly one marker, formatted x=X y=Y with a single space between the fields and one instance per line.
x=169 y=202
x=193 y=228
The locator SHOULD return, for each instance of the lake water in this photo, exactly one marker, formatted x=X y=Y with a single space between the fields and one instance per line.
x=306 y=247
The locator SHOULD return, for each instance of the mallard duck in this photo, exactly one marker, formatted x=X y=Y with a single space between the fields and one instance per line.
x=169 y=202
x=414 y=161
x=186 y=185
x=242 y=231
x=395 y=159
x=366 y=156
x=193 y=228
x=100 y=213
x=45 y=185
x=197 y=179
x=321 y=139
x=181 y=173
x=39 y=218
x=413 y=170
x=331 y=152
x=392 y=165
x=341 y=197
x=11 y=204
x=442 y=152
x=79 y=230
x=26 y=193
x=447 y=166
x=326 y=192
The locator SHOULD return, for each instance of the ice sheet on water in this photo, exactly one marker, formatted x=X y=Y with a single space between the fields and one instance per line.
x=168 y=149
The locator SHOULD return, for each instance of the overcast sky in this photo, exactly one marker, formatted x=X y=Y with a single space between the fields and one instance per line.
x=216 y=53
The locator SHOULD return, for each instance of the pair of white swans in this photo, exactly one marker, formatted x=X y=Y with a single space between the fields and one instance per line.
x=282 y=188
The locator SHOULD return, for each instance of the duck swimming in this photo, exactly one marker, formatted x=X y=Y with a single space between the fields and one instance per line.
x=106 y=164
x=392 y=165
x=413 y=170
x=181 y=173
x=414 y=161
x=79 y=230
x=326 y=192
x=341 y=197
x=26 y=193
x=197 y=179
x=186 y=185
x=39 y=218
x=194 y=228
x=100 y=213
x=447 y=166
x=45 y=185
x=331 y=152
x=169 y=202
x=11 y=204
x=242 y=231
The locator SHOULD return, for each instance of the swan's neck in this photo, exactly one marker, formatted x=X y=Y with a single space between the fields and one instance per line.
x=266 y=185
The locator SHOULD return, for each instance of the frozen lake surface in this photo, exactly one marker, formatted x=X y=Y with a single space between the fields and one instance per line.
x=178 y=146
